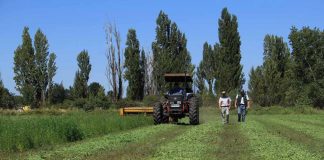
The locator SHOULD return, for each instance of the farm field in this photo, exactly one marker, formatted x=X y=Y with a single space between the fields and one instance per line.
x=290 y=136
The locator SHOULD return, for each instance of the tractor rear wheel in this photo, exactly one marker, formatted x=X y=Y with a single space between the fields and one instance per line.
x=193 y=111
x=157 y=113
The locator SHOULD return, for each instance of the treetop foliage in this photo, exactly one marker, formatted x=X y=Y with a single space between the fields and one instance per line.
x=169 y=51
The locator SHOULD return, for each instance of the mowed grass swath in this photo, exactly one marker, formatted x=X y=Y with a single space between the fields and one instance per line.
x=277 y=136
x=23 y=132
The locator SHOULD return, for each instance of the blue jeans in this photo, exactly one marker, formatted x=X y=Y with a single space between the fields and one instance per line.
x=241 y=110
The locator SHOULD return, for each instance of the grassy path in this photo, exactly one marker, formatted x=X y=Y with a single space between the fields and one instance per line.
x=233 y=143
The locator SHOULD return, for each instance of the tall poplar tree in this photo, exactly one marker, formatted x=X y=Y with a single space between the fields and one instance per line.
x=80 y=86
x=170 y=52
x=132 y=65
x=51 y=73
x=199 y=80
x=276 y=56
x=32 y=73
x=142 y=74
x=207 y=67
x=25 y=69
x=230 y=76
x=41 y=59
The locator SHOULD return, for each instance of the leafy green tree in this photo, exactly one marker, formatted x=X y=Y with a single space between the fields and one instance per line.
x=216 y=65
x=51 y=73
x=142 y=74
x=308 y=50
x=230 y=76
x=208 y=66
x=58 y=93
x=6 y=98
x=199 y=80
x=257 y=86
x=276 y=56
x=41 y=54
x=268 y=82
x=290 y=85
x=96 y=90
x=170 y=52
x=80 y=86
x=25 y=69
x=132 y=66
x=31 y=68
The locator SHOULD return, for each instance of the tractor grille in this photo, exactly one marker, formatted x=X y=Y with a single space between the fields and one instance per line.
x=175 y=100
x=175 y=104
x=176 y=110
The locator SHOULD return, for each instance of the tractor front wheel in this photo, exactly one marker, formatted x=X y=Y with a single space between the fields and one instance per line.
x=157 y=113
x=193 y=111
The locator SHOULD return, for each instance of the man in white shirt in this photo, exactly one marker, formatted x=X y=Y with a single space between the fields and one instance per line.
x=224 y=104
x=242 y=104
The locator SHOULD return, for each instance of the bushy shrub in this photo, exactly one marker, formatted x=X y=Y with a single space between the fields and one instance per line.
x=316 y=94
x=91 y=103
x=57 y=94
x=150 y=100
x=6 y=98
x=127 y=103
x=73 y=132
x=79 y=103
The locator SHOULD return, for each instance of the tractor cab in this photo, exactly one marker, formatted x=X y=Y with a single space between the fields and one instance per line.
x=180 y=89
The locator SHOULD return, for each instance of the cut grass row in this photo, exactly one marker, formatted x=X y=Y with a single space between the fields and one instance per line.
x=192 y=144
x=271 y=141
x=303 y=125
x=295 y=136
x=105 y=144
x=143 y=148
x=22 y=132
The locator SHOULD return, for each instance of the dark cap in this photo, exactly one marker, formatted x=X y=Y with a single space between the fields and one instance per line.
x=242 y=91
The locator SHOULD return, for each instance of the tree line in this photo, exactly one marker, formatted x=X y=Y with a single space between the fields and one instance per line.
x=285 y=77
x=293 y=77
x=35 y=67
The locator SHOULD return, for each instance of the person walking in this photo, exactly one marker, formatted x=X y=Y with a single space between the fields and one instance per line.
x=224 y=104
x=242 y=104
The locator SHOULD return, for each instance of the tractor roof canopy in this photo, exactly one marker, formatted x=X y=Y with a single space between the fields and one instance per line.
x=177 y=77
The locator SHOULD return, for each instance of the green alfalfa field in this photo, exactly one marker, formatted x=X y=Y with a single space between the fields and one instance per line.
x=276 y=133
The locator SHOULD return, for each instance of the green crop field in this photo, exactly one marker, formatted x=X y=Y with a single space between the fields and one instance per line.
x=263 y=136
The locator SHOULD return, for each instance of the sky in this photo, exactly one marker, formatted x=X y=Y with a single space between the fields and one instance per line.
x=74 y=25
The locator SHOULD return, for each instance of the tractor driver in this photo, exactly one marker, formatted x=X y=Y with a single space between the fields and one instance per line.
x=176 y=89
